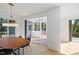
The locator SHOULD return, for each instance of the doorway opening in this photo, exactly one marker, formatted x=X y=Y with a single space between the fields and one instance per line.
x=37 y=29
x=74 y=30
x=71 y=47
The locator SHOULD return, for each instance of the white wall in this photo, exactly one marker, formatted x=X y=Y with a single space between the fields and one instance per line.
x=20 y=28
x=67 y=12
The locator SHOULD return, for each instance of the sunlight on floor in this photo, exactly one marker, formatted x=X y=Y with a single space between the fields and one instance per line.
x=70 y=48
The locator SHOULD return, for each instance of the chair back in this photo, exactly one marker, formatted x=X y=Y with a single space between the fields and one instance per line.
x=29 y=39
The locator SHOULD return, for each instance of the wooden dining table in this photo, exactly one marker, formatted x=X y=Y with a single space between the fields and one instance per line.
x=12 y=42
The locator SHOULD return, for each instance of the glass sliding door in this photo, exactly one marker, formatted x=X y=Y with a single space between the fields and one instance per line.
x=74 y=30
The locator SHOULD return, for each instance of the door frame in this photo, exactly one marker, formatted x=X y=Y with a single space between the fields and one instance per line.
x=70 y=30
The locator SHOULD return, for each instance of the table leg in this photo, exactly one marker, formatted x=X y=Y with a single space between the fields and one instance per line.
x=23 y=50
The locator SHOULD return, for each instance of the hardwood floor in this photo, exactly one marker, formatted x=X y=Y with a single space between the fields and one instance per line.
x=39 y=48
x=70 y=48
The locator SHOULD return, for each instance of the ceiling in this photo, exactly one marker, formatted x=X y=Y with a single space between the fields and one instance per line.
x=24 y=9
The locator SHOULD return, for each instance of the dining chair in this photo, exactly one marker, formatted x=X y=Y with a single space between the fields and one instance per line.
x=27 y=45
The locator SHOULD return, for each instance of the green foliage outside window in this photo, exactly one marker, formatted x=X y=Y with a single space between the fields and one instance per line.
x=75 y=26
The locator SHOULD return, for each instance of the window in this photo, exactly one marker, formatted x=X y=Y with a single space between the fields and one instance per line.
x=3 y=29
x=37 y=26
x=11 y=30
x=43 y=26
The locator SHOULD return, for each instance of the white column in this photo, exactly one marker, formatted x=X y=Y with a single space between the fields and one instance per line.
x=53 y=29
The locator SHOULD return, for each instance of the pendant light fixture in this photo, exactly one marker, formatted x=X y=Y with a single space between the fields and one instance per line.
x=10 y=24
